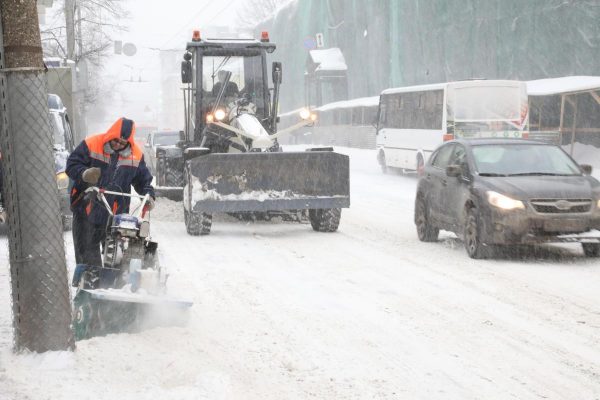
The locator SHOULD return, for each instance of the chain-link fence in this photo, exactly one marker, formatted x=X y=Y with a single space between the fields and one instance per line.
x=40 y=294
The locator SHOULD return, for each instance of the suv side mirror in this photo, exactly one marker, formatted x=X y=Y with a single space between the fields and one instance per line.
x=586 y=169
x=277 y=72
x=453 y=171
x=186 y=71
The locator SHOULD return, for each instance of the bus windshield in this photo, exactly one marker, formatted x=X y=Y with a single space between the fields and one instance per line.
x=485 y=103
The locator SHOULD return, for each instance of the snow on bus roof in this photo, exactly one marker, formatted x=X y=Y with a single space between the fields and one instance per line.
x=433 y=86
x=329 y=59
x=360 y=102
x=565 y=84
x=439 y=86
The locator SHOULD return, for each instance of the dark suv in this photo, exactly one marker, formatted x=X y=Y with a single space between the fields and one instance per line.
x=500 y=192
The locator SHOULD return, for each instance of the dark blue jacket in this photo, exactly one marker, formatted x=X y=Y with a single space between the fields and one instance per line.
x=119 y=171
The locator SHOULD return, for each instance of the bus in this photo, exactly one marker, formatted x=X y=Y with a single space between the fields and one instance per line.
x=413 y=121
x=349 y=123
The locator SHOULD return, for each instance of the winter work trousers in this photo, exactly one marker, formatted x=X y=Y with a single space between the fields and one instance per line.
x=86 y=239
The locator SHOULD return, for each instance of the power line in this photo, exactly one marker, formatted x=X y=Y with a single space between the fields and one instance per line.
x=185 y=26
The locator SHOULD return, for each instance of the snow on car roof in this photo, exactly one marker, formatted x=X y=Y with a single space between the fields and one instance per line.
x=329 y=59
x=565 y=84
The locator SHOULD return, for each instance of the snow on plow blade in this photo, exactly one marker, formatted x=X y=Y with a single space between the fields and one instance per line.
x=269 y=181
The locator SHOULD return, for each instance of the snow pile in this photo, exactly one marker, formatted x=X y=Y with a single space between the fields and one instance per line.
x=201 y=192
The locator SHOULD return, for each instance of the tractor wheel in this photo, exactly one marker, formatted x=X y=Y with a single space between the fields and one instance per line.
x=174 y=178
x=197 y=223
x=160 y=171
x=325 y=219
x=382 y=164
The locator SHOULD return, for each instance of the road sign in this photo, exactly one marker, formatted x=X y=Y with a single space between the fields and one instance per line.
x=320 y=42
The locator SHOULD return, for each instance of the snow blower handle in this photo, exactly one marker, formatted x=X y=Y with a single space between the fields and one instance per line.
x=143 y=208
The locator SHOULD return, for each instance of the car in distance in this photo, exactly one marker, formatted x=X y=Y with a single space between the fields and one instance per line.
x=156 y=139
x=495 y=192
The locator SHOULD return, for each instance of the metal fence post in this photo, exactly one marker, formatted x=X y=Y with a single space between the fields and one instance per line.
x=40 y=292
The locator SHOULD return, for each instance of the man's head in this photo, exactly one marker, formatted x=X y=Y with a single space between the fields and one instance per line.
x=222 y=75
x=120 y=136
x=118 y=144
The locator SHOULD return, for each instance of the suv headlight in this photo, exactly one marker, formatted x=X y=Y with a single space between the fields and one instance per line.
x=504 y=202
x=62 y=181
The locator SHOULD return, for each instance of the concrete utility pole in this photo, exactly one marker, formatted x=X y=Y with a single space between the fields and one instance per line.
x=70 y=28
x=39 y=287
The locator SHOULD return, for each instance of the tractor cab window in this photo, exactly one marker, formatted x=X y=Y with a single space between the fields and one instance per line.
x=246 y=80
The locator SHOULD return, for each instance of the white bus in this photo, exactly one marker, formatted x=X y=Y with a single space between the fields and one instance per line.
x=414 y=120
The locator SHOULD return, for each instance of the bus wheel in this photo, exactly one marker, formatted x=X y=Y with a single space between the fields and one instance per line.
x=420 y=165
x=381 y=159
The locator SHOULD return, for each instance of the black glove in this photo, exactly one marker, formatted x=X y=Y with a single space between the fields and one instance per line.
x=91 y=175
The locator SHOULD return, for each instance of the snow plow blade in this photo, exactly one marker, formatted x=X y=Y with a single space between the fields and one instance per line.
x=99 y=312
x=268 y=181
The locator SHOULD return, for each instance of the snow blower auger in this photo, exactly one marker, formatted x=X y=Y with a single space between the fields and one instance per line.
x=128 y=292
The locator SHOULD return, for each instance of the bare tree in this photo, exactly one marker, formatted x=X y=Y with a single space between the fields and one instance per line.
x=83 y=31
x=251 y=13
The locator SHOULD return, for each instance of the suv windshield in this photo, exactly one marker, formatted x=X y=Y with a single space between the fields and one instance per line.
x=166 y=138
x=523 y=159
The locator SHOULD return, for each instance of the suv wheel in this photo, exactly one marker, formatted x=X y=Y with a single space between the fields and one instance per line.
x=591 y=249
x=472 y=237
x=425 y=230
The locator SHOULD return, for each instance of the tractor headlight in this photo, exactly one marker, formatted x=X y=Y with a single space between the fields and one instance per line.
x=504 y=202
x=62 y=181
x=305 y=113
x=313 y=117
x=210 y=118
x=219 y=115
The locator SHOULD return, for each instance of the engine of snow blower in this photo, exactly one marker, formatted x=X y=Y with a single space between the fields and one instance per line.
x=118 y=295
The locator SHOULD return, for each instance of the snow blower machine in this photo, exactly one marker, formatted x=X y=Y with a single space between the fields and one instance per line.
x=128 y=292
x=229 y=159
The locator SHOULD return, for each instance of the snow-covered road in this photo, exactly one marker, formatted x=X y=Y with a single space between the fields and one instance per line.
x=369 y=312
